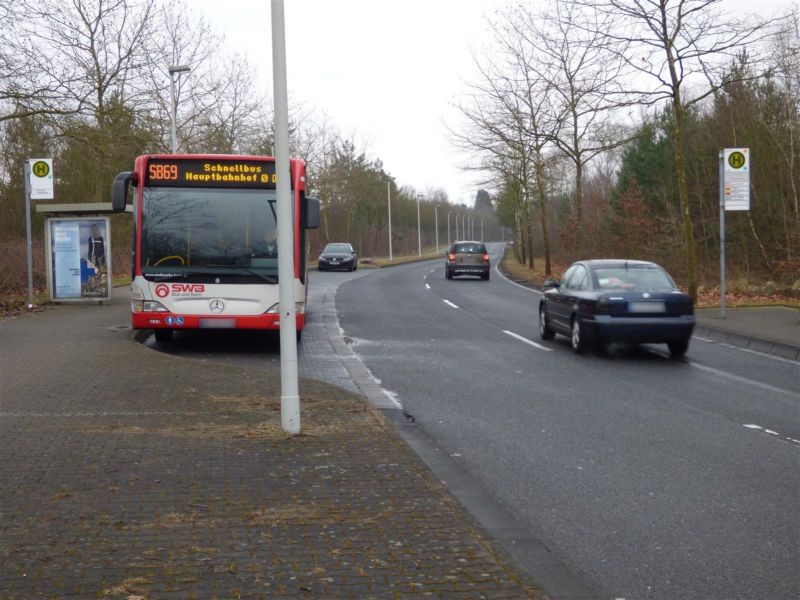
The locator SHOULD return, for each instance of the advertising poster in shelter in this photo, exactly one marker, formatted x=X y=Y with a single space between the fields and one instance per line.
x=79 y=251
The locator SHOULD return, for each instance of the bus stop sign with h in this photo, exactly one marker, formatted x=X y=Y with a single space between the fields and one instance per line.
x=734 y=194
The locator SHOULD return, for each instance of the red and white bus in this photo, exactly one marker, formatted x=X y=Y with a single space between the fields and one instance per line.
x=205 y=241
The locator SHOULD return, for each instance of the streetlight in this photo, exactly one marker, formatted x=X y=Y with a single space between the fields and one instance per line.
x=389 y=201
x=448 y=229
x=172 y=70
x=419 y=228
x=436 y=221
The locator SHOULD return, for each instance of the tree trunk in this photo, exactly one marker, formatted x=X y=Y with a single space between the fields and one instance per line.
x=528 y=226
x=690 y=253
x=543 y=213
x=578 y=207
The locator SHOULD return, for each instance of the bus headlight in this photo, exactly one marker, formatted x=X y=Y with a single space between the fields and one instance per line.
x=139 y=306
x=299 y=308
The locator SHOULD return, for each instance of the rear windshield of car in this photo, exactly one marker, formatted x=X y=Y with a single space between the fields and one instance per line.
x=337 y=248
x=634 y=279
x=469 y=249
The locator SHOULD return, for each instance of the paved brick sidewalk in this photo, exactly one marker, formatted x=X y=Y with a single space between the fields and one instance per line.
x=130 y=473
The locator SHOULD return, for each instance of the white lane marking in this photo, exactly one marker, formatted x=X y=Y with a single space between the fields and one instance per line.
x=428 y=285
x=741 y=379
x=527 y=341
x=497 y=270
x=786 y=438
x=449 y=303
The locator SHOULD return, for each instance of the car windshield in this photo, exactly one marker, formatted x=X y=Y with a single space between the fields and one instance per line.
x=468 y=249
x=634 y=279
x=338 y=248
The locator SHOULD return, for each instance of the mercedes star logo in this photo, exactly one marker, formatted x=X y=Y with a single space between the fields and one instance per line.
x=216 y=305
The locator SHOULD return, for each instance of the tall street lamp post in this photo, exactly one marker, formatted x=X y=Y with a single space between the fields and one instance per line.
x=436 y=221
x=290 y=396
x=174 y=113
x=389 y=202
x=419 y=229
x=448 y=229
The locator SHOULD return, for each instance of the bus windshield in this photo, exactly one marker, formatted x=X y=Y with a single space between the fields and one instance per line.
x=209 y=230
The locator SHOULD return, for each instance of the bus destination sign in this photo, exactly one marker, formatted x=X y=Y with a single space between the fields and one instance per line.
x=193 y=172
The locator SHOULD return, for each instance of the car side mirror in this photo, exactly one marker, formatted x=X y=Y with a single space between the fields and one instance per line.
x=551 y=283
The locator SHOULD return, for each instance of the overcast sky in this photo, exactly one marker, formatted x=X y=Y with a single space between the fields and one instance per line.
x=386 y=72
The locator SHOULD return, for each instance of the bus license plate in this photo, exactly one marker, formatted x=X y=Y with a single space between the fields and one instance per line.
x=217 y=323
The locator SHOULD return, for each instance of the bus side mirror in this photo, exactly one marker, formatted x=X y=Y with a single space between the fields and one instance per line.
x=311 y=213
x=119 y=191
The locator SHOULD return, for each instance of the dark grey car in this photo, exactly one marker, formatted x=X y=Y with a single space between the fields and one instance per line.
x=467 y=258
x=338 y=256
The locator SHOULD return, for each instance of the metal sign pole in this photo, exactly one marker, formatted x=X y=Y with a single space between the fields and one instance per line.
x=27 y=177
x=290 y=398
x=722 y=290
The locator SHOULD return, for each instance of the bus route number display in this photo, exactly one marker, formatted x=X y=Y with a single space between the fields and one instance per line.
x=211 y=173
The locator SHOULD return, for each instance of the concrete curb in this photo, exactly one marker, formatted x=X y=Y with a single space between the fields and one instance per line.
x=747 y=342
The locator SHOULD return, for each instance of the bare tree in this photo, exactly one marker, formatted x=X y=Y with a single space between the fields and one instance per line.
x=507 y=133
x=28 y=85
x=73 y=56
x=787 y=58
x=572 y=55
x=675 y=44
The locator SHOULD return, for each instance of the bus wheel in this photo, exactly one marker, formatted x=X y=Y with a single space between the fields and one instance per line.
x=163 y=335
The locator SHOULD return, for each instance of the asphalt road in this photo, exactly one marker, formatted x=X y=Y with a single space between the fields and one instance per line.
x=644 y=473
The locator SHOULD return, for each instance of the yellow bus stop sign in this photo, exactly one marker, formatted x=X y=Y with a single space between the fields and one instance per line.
x=736 y=159
x=40 y=168
x=41 y=178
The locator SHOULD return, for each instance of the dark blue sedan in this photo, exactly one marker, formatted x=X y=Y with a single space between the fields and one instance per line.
x=599 y=301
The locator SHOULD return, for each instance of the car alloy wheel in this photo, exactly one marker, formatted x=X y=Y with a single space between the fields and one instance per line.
x=544 y=329
x=578 y=343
